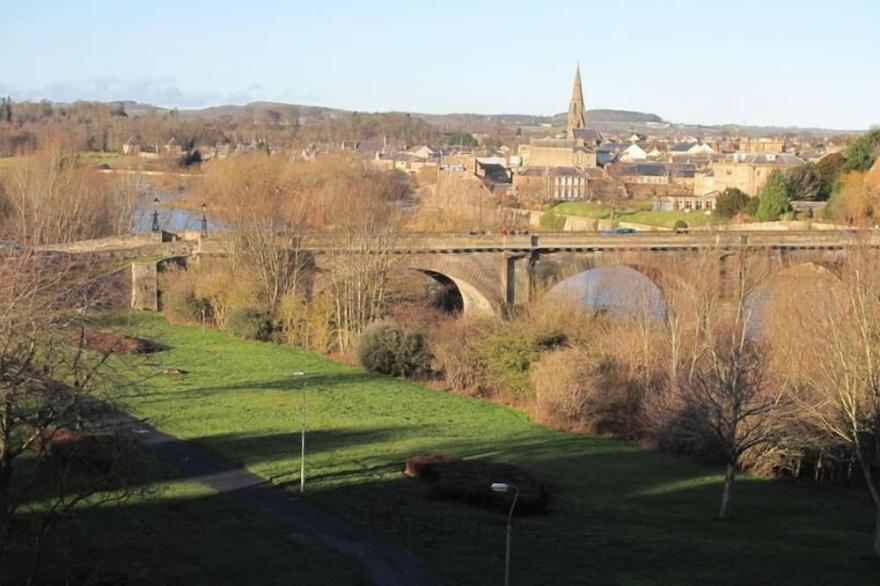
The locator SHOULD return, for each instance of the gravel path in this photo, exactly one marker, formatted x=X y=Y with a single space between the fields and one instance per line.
x=384 y=565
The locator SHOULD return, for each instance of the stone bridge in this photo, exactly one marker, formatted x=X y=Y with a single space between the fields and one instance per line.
x=495 y=273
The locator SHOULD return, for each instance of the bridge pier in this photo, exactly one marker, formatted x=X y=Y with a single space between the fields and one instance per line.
x=517 y=279
x=144 y=286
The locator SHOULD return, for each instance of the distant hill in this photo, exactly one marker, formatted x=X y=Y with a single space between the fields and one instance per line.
x=613 y=116
x=604 y=119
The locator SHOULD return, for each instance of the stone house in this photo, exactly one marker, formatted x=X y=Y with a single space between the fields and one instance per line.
x=762 y=145
x=642 y=173
x=749 y=172
x=556 y=183
x=691 y=149
x=686 y=203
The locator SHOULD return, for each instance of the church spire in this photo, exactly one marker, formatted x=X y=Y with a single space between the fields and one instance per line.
x=577 y=116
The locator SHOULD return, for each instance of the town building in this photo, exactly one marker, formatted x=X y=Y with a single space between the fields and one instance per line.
x=556 y=183
x=619 y=152
x=686 y=203
x=562 y=167
x=690 y=149
x=746 y=172
x=762 y=145
x=576 y=149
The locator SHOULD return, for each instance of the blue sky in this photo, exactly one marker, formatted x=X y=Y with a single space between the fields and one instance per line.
x=781 y=62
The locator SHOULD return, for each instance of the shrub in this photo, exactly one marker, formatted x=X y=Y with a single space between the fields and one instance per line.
x=308 y=322
x=388 y=348
x=250 y=323
x=775 y=199
x=179 y=299
x=469 y=481
x=564 y=380
x=508 y=354
x=106 y=343
x=730 y=202
x=510 y=349
x=453 y=347
x=223 y=288
x=680 y=226
x=752 y=206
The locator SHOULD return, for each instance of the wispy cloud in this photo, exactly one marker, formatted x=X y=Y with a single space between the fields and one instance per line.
x=163 y=91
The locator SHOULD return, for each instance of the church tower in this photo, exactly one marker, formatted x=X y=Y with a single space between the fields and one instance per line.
x=577 y=116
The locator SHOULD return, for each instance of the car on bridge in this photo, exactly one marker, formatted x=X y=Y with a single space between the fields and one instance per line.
x=619 y=230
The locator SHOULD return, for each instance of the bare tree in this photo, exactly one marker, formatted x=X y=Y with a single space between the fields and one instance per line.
x=265 y=213
x=55 y=436
x=718 y=382
x=360 y=258
x=51 y=199
x=840 y=389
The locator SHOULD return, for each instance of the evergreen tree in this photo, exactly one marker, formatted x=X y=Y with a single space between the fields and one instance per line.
x=774 y=199
x=6 y=109
x=730 y=202
x=862 y=153
x=805 y=183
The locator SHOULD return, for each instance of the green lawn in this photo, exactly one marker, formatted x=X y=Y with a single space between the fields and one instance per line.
x=177 y=533
x=637 y=213
x=619 y=514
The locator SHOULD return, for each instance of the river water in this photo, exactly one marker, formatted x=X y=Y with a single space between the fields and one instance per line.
x=171 y=219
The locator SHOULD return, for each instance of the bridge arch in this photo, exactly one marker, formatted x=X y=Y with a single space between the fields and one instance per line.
x=479 y=294
x=790 y=293
x=639 y=283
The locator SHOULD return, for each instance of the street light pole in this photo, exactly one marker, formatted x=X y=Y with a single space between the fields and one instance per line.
x=302 y=454
x=503 y=487
x=156 y=202
x=204 y=221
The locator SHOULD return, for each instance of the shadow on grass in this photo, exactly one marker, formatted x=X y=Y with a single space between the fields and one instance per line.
x=170 y=538
x=151 y=387
x=618 y=515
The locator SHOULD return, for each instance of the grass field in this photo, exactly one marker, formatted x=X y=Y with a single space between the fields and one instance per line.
x=177 y=533
x=638 y=213
x=619 y=515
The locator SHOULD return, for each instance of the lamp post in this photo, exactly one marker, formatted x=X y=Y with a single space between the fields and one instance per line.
x=204 y=221
x=302 y=454
x=156 y=203
x=504 y=487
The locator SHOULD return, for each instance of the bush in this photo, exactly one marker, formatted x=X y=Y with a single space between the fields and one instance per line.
x=250 y=323
x=510 y=349
x=308 y=322
x=223 y=288
x=388 y=348
x=453 y=347
x=730 y=202
x=179 y=299
x=564 y=380
x=775 y=199
x=680 y=226
x=469 y=481
x=752 y=206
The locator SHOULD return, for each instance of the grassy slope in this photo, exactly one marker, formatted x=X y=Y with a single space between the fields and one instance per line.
x=620 y=515
x=180 y=533
x=639 y=215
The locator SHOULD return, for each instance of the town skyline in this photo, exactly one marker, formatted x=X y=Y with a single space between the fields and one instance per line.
x=684 y=62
